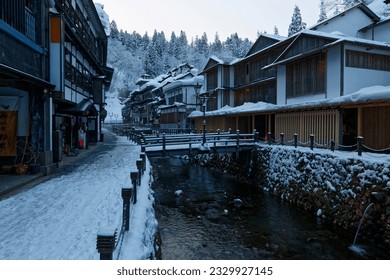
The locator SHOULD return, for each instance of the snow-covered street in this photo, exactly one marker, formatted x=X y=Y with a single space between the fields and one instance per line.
x=60 y=218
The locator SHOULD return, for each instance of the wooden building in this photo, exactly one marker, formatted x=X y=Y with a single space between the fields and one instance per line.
x=53 y=76
x=78 y=49
x=24 y=83
x=322 y=82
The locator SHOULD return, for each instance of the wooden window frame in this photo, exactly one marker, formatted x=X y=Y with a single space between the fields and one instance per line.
x=307 y=76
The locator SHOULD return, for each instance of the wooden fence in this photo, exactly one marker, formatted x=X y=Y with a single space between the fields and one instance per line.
x=325 y=125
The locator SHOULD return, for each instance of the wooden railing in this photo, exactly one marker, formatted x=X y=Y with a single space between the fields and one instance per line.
x=186 y=144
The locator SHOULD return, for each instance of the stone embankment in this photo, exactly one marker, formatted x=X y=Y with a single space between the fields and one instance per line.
x=336 y=187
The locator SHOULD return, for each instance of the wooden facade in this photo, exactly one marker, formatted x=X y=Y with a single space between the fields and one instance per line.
x=24 y=83
x=375 y=126
x=323 y=124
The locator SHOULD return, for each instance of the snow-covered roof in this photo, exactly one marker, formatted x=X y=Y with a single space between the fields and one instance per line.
x=185 y=82
x=248 y=107
x=104 y=18
x=364 y=95
x=364 y=8
x=176 y=104
x=337 y=38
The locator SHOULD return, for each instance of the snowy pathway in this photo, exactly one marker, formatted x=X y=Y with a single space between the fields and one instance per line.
x=59 y=219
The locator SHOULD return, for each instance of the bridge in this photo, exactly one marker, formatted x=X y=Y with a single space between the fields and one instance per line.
x=193 y=144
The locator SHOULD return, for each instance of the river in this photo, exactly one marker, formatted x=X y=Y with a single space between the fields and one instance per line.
x=203 y=215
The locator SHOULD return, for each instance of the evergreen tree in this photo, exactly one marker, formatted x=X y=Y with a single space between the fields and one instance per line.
x=172 y=44
x=202 y=44
x=386 y=11
x=150 y=64
x=236 y=46
x=350 y=3
x=323 y=15
x=336 y=11
x=113 y=30
x=216 y=47
x=159 y=43
x=145 y=41
x=296 y=24
x=276 y=30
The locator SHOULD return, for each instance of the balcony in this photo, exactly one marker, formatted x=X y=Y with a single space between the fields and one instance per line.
x=81 y=29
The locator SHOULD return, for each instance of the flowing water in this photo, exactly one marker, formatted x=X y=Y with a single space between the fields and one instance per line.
x=205 y=215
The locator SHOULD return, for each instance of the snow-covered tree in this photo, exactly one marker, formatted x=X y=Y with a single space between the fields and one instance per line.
x=216 y=46
x=114 y=32
x=172 y=47
x=145 y=41
x=296 y=24
x=236 y=46
x=151 y=61
x=202 y=44
x=323 y=15
x=276 y=30
x=350 y=3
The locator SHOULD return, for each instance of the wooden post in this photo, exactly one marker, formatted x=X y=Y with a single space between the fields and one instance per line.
x=332 y=145
x=311 y=141
x=126 y=196
x=139 y=167
x=164 y=143
x=238 y=138
x=134 y=181
x=360 y=121
x=143 y=157
x=105 y=243
x=269 y=138
x=255 y=136
x=282 y=139
x=296 y=140
x=360 y=145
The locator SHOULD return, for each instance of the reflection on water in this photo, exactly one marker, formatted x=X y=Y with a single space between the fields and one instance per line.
x=212 y=216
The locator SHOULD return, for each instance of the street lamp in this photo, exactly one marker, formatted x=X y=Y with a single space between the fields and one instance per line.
x=197 y=92
x=204 y=120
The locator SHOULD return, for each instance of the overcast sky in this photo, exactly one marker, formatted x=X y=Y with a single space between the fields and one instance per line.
x=195 y=17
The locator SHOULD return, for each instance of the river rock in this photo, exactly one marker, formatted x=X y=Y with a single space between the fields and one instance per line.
x=213 y=214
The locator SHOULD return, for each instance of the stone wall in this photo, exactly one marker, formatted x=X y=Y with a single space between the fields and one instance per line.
x=337 y=187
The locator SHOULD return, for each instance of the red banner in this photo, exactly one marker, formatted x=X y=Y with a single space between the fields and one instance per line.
x=8 y=125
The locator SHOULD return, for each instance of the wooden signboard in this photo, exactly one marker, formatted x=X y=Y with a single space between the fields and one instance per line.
x=8 y=125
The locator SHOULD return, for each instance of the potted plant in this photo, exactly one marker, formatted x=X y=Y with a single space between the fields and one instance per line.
x=21 y=168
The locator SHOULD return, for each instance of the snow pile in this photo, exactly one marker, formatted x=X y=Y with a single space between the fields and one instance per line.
x=138 y=243
x=247 y=107
x=59 y=219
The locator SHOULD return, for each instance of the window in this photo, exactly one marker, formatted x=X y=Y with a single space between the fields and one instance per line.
x=306 y=77
x=212 y=79
x=368 y=60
